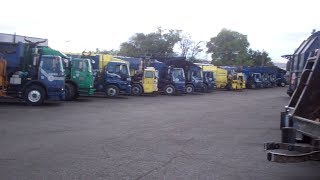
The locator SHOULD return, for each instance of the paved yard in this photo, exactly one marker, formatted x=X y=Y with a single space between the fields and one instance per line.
x=205 y=136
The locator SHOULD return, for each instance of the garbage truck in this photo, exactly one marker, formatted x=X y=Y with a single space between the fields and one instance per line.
x=171 y=79
x=225 y=77
x=253 y=78
x=28 y=74
x=298 y=59
x=78 y=74
x=209 y=79
x=144 y=80
x=193 y=73
x=111 y=75
x=300 y=122
x=236 y=79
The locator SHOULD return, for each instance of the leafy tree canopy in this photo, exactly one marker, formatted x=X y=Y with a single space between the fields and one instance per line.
x=232 y=48
x=159 y=43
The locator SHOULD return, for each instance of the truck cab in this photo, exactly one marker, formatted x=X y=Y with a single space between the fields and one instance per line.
x=114 y=79
x=150 y=80
x=254 y=80
x=111 y=75
x=194 y=79
x=178 y=78
x=208 y=81
x=171 y=80
x=79 y=77
x=78 y=74
x=144 y=79
x=31 y=75
x=237 y=81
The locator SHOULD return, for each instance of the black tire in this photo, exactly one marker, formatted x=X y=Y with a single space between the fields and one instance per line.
x=229 y=87
x=189 y=89
x=282 y=84
x=205 y=88
x=70 y=92
x=76 y=96
x=112 y=91
x=169 y=90
x=253 y=86
x=136 y=90
x=34 y=95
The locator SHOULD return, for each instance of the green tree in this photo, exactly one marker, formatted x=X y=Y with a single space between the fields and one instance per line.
x=228 y=48
x=259 y=58
x=232 y=48
x=159 y=43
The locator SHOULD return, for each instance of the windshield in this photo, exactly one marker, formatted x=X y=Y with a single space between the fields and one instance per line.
x=208 y=76
x=51 y=64
x=197 y=74
x=125 y=69
x=178 y=75
x=82 y=65
x=116 y=68
x=257 y=77
x=148 y=74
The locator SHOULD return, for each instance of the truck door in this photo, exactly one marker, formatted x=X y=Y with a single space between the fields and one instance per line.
x=82 y=73
x=150 y=81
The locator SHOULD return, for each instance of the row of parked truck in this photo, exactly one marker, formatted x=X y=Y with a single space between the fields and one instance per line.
x=32 y=71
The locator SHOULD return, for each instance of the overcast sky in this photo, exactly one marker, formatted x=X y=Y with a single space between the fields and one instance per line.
x=273 y=25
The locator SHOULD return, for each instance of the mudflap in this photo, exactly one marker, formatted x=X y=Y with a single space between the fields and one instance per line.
x=294 y=152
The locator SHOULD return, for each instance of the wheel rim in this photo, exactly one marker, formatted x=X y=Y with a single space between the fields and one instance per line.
x=169 y=90
x=135 y=90
x=283 y=84
x=189 y=89
x=34 y=96
x=112 y=92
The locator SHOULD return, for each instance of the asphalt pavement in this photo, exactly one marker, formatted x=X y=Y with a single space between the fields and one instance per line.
x=203 y=136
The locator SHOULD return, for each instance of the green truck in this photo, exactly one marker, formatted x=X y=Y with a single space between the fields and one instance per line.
x=78 y=75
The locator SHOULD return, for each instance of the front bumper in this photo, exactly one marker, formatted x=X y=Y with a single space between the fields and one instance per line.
x=180 y=87
x=86 y=91
x=56 y=96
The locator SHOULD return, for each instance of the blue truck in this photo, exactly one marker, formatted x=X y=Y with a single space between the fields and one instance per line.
x=111 y=75
x=298 y=59
x=253 y=79
x=193 y=73
x=27 y=74
x=171 y=79
x=263 y=77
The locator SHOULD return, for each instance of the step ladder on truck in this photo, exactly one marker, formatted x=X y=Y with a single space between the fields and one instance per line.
x=300 y=123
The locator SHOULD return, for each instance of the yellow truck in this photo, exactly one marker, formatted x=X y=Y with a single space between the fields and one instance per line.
x=223 y=79
x=144 y=80
x=237 y=81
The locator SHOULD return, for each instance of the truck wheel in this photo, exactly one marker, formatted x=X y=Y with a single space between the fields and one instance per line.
x=112 y=91
x=169 y=90
x=229 y=86
x=282 y=84
x=189 y=89
x=34 y=95
x=70 y=92
x=136 y=90
x=205 y=88
x=253 y=86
